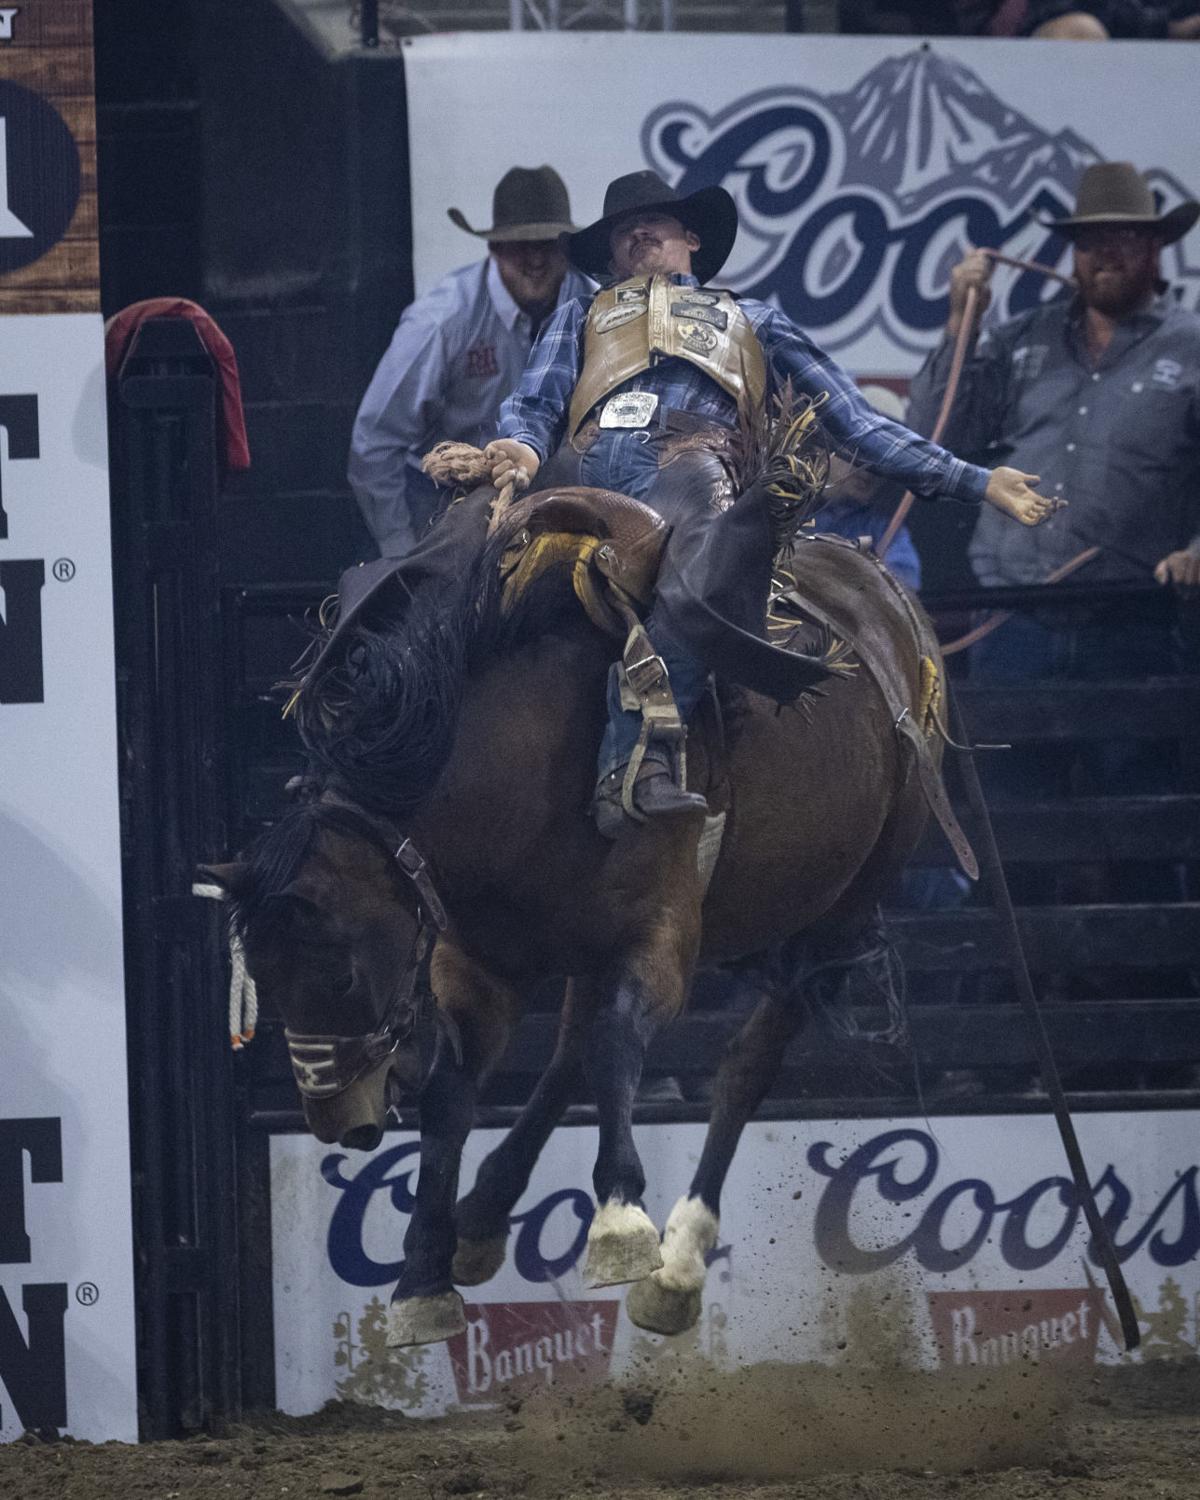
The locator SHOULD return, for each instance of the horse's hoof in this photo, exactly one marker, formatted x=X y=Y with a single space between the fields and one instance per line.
x=622 y=1246
x=425 y=1320
x=662 y=1309
x=477 y=1261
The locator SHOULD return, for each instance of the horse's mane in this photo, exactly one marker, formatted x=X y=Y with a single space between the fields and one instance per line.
x=276 y=857
x=382 y=720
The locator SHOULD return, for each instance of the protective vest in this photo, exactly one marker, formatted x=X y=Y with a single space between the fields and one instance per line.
x=634 y=324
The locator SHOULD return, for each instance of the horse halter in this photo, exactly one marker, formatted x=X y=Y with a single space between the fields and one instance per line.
x=325 y=1065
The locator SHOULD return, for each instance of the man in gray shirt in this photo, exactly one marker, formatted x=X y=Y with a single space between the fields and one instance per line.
x=1098 y=394
x=457 y=353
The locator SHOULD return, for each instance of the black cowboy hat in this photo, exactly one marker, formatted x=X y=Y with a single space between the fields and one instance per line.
x=710 y=212
x=530 y=203
x=1116 y=193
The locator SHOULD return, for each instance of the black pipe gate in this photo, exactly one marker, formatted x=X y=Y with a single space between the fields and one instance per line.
x=182 y=1107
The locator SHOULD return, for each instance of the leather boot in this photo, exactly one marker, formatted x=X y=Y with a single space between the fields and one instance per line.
x=655 y=795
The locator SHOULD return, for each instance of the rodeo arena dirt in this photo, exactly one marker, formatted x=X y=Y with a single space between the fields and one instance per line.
x=869 y=1431
x=600 y=789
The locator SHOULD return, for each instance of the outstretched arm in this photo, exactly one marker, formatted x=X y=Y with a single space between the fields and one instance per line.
x=864 y=436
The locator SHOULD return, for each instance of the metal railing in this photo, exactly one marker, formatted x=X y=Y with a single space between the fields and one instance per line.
x=398 y=19
x=629 y=15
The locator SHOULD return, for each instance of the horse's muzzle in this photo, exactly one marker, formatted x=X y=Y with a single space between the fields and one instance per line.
x=354 y=1117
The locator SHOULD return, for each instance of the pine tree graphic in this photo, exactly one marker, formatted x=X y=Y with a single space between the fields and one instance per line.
x=376 y=1374
x=1163 y=1335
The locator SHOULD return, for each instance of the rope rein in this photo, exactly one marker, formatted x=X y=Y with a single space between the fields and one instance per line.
x=243 y=992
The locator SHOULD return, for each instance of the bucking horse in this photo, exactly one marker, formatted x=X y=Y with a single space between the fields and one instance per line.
x=444 y=861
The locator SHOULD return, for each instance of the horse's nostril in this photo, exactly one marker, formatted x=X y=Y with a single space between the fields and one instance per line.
x=363 y=1138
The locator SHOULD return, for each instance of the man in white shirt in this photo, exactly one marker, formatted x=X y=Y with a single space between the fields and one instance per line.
x=458 y=351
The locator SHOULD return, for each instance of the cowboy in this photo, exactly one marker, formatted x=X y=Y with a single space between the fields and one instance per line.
x=646 y=382
x=458 y=351
x=1099 y=393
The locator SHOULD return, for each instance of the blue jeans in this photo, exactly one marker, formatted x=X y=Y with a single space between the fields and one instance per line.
x=627 y=461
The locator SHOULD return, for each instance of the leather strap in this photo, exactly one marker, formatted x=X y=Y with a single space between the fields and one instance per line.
x=646 y=688
x=934 y=789
x=932 y=786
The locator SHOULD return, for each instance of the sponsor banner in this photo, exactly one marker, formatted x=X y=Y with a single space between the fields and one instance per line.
x=66 y=1273
x=49 y=251
x=990 y=1329
x=962 y=1247
x=861 y=166
x=516 y=1347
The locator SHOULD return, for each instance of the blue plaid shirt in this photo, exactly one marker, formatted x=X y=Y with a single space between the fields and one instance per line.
x=536 y=412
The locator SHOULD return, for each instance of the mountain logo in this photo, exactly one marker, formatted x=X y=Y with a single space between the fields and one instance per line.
x=854 y=206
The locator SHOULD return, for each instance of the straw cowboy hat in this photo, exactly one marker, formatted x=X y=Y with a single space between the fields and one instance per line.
x=710 y=212
x=1116 y=193
x=530 y=203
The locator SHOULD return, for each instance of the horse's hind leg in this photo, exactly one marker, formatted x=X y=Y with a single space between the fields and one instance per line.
x=483 y=1214
x=425 y=1308
x=669 y=1300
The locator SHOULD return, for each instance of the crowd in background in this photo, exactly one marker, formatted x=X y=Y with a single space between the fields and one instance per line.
x=1091 y=20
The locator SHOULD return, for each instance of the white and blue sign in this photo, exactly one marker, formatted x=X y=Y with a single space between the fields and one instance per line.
x=862 y=166
x=970 y=1228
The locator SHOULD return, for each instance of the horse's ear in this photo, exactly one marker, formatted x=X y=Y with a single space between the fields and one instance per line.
x=299 y=905
x=229 y=878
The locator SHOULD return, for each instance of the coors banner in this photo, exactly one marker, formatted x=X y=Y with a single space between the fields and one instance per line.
x=66 y=1276
x=959 y=1246
x=861 y=166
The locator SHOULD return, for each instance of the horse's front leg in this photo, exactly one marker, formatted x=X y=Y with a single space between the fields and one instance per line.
x=425 y=1308
x=644 y=990
x=483 y=1214
x=669 y=1300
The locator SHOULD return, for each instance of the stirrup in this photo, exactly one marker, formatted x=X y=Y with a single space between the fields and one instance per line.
x=608 y=807
x=646 y=689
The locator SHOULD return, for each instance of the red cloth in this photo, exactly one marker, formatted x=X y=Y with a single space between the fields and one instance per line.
x=118 y=335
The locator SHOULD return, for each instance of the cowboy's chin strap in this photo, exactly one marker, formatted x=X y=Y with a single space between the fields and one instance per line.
x=646 y=689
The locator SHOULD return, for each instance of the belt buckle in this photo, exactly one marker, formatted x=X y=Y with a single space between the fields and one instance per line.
x=628 y=409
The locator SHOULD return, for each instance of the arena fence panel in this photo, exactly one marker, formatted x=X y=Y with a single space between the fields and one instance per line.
x=184 y=1121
